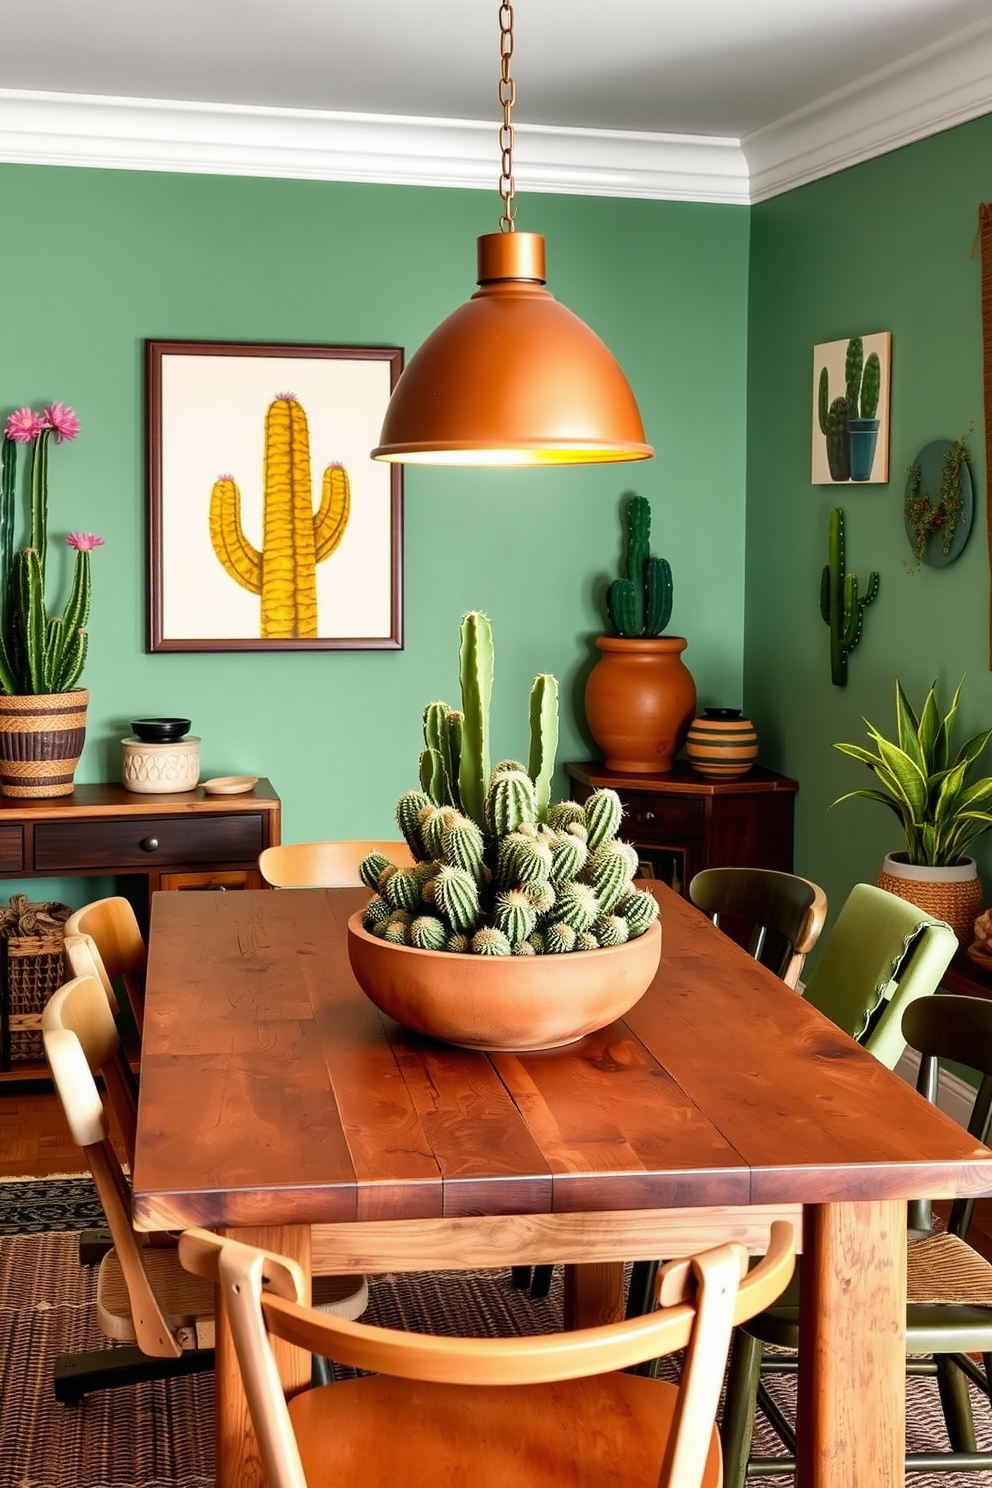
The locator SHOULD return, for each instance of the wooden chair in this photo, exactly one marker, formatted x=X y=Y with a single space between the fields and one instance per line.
x=145 y=1300
x=120 y=950
x=325 y=865
x=949 y=1286
x=783 y=914
x=469 y=1420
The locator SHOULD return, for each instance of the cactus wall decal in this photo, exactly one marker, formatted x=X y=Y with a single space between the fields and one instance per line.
x=850 y=428
x=840 y=605
x=295 y=537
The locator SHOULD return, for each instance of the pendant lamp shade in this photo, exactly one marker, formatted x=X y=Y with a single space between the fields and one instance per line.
x=512 y=378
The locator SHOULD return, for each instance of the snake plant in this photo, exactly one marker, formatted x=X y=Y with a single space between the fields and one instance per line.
x=925 y=783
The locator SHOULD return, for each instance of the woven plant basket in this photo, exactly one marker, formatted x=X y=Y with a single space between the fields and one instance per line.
x=33 y=950
x=41 y=740
x=952 y=894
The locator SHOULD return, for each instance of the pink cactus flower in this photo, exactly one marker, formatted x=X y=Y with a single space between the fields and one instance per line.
x=24 y=425
x=60 y=418
x=84 y=541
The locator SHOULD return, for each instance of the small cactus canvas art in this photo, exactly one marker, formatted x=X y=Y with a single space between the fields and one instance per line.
x=270 y=526
x=851 y=410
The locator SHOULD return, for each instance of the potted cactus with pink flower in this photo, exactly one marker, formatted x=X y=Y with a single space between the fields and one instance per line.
x=42 y=707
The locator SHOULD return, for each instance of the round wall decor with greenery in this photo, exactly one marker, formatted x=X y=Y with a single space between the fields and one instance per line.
x=939 y=503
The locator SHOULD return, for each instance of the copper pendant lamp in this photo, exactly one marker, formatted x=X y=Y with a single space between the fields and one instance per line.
x=512 y=377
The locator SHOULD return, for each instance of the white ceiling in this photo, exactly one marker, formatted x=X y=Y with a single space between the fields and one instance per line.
x=756 y=76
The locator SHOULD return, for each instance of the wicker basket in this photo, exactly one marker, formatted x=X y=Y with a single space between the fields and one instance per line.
x=33 y=967
x=958 y=901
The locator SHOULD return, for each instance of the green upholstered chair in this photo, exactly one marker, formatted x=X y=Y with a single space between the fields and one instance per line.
x=882 y=954
x=949 y=1286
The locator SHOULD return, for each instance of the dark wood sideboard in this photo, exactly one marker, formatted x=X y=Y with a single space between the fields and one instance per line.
x=680 y=822
x=173 y=842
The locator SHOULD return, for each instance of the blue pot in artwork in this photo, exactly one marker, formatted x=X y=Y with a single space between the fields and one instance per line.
x=862 y=435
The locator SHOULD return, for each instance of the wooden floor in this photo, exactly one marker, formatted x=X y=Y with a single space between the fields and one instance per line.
x=35 y=1143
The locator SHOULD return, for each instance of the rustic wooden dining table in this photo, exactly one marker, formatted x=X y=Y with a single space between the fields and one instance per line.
x=279 y=1105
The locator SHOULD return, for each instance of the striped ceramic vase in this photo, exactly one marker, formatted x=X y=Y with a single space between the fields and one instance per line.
x=41 y=739
x=721 y=744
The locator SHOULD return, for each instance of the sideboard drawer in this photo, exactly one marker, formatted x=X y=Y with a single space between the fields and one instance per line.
x=11 y=847
x=656 y=818
x=143 y=842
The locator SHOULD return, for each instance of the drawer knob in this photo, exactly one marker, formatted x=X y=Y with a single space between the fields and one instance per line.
x=149 y=844
x=645 y=816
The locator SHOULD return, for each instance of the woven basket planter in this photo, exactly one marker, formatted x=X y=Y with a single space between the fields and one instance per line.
x=41 y=739
x=951 y=894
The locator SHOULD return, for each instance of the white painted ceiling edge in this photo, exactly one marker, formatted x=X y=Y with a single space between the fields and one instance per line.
x=932 y=90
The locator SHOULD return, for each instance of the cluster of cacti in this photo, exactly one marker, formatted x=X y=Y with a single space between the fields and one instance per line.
x=640 y=603
x=294 y=538
x=840 y=605
x=39 y=654
x=498 y=869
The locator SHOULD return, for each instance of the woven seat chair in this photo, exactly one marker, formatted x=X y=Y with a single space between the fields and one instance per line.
x=325 y=865
x=490 y=1411
x=948 y=1284
x=159 y=1314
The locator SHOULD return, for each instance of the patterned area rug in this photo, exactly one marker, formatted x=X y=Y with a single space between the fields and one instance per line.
x=160 y=1435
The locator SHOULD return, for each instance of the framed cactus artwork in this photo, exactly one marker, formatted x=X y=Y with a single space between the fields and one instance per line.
x=270 y=527
x=851 y=410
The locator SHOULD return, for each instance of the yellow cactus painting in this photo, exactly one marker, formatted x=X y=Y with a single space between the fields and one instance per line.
x=294 y=538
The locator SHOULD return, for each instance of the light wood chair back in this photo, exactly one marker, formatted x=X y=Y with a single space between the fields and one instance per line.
x=325 y=865
x=365 y=1420
x=784 y=913
x=81 y=1041
x=120 y=949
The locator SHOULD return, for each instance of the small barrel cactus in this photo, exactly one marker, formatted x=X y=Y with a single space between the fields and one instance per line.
x=499 y=869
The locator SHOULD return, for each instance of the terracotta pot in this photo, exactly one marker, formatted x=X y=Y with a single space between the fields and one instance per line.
x=640 y=699
x=503 y=1002
x=41 y=739
x=951 y=894
x=721 y=745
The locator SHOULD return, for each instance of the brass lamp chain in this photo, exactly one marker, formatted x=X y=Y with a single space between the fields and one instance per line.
x=507 y=94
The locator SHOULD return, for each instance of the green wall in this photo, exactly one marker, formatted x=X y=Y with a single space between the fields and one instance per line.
x=93 y=262
x=882 y=246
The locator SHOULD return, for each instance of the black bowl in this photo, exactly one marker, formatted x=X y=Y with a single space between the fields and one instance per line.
x=160 y=730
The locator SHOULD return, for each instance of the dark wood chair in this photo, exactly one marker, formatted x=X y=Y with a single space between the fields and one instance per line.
x=949 y=1286
x=449 y=1410
x=781 y=914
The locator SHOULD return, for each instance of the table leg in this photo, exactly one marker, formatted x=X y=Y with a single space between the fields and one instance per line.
x=238 y=1463
x=594 y=1294
x=852 y=1365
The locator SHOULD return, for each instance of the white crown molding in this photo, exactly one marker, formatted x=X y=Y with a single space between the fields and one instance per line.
x=216 y=139
x=932 y=90
x=942 y=85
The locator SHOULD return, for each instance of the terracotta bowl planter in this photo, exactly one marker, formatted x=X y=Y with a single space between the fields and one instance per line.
x=503 y=1002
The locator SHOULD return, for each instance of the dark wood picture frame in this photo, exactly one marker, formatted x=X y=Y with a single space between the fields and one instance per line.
x=217 y=413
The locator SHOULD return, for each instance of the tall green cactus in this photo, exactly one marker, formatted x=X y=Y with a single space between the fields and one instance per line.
x=639 y=603
x=853 y=365
x=840 y=605
x=295 y=538
x=476 y=661
x=871 y=386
